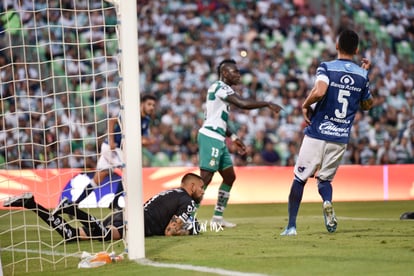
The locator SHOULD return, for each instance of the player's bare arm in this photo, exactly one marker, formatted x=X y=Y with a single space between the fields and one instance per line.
x=175 y=227
x=147 y=141
x=111 y=135
x=366 y=64
x=241 y=147
x=367 y=104
x=316 y=94
x=251 y=104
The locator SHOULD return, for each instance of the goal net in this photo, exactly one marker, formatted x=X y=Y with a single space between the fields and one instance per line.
x=59 y=85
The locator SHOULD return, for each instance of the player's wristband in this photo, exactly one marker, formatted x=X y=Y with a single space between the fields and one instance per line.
x=234 y=137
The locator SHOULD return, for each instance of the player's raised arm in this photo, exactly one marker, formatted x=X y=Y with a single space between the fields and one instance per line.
x=366 y=104
x=243 y=103
x=111 y=135
x=366 y=63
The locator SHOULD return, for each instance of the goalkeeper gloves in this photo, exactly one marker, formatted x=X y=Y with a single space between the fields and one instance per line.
x=192 y=226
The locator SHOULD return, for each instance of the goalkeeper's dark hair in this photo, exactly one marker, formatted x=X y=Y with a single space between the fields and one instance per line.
x=348 y=42
x=188 y=176
x=223 y=64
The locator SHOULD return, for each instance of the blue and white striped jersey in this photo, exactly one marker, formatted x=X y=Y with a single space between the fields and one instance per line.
x=334 y=114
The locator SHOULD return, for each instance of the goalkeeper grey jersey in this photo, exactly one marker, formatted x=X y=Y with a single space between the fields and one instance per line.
x=159 y=210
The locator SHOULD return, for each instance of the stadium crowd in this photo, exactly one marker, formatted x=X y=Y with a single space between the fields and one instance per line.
x=277 y=45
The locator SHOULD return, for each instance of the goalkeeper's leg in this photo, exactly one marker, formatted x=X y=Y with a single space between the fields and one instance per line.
x=92 y=226
x=58 y=224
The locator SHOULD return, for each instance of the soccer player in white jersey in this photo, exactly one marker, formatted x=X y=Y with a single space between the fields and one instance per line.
x=341 y=88
x=213 y=153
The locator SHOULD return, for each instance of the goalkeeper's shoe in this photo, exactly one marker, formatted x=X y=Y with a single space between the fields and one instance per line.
x=289 y=231
x=18 y=201
x=329 y=216
x=219 y=221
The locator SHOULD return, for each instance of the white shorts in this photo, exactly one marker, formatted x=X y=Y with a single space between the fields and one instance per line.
x=318 y=158
x=109 y=159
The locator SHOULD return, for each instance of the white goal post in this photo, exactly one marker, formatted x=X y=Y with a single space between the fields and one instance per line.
x=132 y=148
x=66 y=67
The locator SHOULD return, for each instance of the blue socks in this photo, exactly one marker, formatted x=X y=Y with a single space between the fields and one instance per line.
x=296 y=193
x=325 y=190
x=295 y=198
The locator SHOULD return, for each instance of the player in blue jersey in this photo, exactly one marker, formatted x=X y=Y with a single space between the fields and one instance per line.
x=341 y=89
x=111 y=156
x=148 y=103
x=213 y=153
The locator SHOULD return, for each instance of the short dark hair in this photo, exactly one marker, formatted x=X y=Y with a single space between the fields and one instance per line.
x=188 y=176
x=223 y=64
x=348 y=42
x=147 y=97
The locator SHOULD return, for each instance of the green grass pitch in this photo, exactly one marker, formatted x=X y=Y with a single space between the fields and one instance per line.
x=370 y=240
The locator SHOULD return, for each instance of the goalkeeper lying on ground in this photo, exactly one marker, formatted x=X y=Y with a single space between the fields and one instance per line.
x=167 y=213
x=111 y=228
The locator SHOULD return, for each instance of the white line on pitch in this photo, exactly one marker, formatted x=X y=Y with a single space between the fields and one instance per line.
x=46 y=252
x=219 y=271
x=370 y=219
x=151 y=263
x=360 y=219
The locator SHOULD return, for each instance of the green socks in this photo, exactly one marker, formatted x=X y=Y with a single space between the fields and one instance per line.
x=223 y=198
